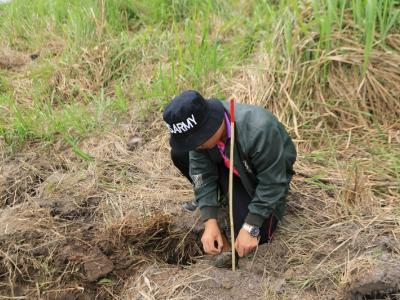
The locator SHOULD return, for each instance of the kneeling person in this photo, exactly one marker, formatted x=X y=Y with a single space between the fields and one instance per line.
x=264 y=156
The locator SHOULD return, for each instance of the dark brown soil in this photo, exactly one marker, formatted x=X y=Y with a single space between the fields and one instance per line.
x=83 y=261
x=382 y=281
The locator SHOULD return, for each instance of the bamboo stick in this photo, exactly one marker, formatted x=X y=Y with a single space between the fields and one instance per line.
x=231 y=166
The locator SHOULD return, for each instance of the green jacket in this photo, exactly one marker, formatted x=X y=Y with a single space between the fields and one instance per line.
x=264 y=155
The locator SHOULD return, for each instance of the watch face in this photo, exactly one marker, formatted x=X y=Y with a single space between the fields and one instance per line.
x=255 y=231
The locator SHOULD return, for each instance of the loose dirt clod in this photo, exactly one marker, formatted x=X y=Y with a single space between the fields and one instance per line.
x=95 y=263
x=382 y=281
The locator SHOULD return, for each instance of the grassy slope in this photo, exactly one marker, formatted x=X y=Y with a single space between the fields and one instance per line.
x=328 y=71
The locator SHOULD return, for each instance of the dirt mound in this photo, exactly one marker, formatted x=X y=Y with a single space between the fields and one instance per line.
x=70 y=195
x=382 y=281
x=80 y=261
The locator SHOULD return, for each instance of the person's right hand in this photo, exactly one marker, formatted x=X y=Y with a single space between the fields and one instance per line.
x=212 y=234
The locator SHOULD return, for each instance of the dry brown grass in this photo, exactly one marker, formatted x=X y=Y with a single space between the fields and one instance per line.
x=344 y=199
x=340 y=95
x=105 y=207
x=12 y=59
x=52 y=257
x=338 y=215
x=343 y=212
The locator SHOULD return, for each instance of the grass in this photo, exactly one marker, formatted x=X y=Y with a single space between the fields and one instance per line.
x=42 y=121
x=327 y=69
x=153 y=50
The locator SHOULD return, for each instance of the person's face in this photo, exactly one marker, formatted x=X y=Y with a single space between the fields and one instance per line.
x=212 y=141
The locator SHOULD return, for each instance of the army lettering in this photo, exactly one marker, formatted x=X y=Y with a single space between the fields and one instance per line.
x=183 y=126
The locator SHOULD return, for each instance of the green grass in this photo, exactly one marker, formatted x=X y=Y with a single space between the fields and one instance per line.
x=151 y=50
x=42 y=121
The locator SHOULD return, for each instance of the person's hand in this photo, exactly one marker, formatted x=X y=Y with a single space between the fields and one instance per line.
x=212 y=238
x=245 y=243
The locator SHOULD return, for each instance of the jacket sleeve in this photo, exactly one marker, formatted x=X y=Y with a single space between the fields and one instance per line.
x=204 y=174
x=267 y=157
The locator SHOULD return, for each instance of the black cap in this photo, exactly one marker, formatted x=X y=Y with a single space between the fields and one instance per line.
x=192 y=120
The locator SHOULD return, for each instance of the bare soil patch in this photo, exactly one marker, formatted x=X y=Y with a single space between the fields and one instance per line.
x=62 y=235
x=112 y=228
x=83 y=261
x=379 y=281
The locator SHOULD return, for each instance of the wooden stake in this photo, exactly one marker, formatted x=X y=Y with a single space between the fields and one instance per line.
x=231 y=166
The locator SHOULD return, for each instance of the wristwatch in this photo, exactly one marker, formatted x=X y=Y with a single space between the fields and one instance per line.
x=253 y=230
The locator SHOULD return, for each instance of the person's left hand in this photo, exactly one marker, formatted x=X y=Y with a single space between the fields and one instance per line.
x=245 y=243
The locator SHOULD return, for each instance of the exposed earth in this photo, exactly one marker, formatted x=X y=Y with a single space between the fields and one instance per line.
x=66 y=232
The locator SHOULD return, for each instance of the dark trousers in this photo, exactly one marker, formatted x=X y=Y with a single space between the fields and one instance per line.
x=241 y=199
